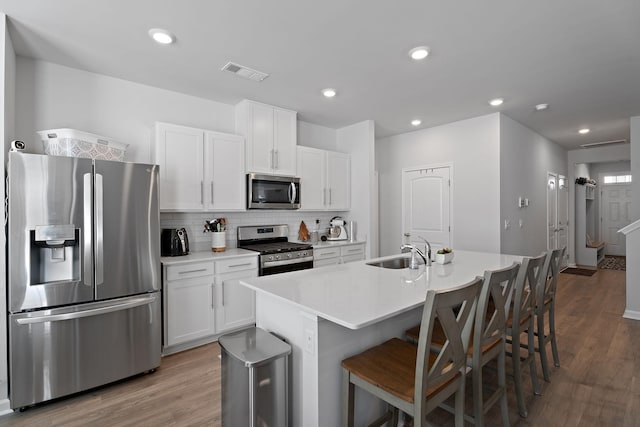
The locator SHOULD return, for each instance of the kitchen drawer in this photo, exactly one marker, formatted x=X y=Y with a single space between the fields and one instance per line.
x=351 y=258
x=324 y=253
x=236 y=264
x=352 y=250
x=186 y=271
x=326 y=261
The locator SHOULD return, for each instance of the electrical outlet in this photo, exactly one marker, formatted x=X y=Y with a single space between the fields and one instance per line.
x=520 y=223
x=507 y=224
x=309 y=341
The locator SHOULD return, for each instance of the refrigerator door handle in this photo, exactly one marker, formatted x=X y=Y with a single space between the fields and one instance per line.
x=43 y=318
x=87 y=270
x=99 y=230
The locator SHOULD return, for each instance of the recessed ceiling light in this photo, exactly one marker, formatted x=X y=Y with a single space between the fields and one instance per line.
x=496 y=102
x=162 y=36
x=584 y=131
x=419 y=52
x=416 y=122
x=542 y=107
x=329 y=92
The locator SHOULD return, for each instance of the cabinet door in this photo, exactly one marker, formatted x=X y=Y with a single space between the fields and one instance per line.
x=236 y=303
x=353 y=252
x=260 y=151
x=189 y=309
x=312 y=172
x=285 y=141
x=179 y=152
x=326 y=256
x=339 y=181
x=225 y=178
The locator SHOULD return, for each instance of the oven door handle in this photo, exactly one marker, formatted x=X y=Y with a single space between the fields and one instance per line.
x=286 y=261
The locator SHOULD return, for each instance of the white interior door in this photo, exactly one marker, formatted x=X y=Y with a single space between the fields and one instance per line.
x=615 y=203
x=552 y=211
x=563 y=217
x=427 y=205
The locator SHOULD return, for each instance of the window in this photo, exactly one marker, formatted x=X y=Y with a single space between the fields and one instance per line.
x=617 y=179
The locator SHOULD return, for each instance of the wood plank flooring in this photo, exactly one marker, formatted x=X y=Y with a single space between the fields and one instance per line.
x=598 y=383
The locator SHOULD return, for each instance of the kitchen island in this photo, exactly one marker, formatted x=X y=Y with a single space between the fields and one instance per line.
x=333 y=312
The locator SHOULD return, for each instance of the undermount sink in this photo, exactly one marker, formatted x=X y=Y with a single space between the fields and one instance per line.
x=395 y=263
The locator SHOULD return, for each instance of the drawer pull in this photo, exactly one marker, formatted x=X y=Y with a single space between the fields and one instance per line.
x=240 y=265
x=354 y=250
x=329 y=254
x=192 y=271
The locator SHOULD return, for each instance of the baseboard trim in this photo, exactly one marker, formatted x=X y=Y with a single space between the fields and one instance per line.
x=631 y=314
x=5 y=407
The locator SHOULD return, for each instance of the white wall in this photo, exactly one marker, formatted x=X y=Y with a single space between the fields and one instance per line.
x=612 y=153
x=635 y=168
x=359 y=141
x=525 y=159
x=52 y=96
x=473 y=146
x=7 y=112
x=316 y=136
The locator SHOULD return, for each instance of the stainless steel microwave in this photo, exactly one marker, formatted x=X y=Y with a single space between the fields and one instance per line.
x=272 y=192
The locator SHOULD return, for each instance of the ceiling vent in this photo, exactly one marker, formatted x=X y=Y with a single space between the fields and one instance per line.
x=246 y=72
x=597 y=144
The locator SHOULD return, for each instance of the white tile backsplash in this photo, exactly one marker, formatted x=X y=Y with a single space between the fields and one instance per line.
x=199 y=241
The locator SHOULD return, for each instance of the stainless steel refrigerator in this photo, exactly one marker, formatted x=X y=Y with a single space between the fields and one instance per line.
x=84 y=274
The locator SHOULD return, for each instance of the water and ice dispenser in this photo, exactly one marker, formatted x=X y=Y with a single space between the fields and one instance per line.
x=55 y=254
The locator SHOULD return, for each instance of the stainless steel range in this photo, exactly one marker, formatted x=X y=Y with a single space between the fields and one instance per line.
x=277 y=254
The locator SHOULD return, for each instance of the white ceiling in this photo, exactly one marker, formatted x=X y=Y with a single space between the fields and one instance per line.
x=580 y=56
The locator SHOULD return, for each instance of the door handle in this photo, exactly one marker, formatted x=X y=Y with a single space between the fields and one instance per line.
x=292 y=197
x=271 y=166
x=87 y=270
x=99 y=230
x=330 y=198
x=211 y=192
x=86 y=313
x=277 y=158
x=202 y=192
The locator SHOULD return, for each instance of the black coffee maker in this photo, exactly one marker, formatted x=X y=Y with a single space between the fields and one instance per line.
x=174 y=242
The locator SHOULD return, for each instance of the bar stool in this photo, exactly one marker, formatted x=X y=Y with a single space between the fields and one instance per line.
x=546 y=303
x=488 y=340
x=414 y=379
x=519 y=321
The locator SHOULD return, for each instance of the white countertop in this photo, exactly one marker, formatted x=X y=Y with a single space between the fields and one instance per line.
x=355 y=295
x=207 y=255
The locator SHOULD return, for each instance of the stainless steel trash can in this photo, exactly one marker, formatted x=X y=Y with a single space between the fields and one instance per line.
x=255 y=378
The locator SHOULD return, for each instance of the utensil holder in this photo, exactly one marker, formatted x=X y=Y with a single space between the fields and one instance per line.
x=218 y=241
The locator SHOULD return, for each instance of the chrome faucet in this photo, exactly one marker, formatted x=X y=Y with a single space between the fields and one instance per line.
x=425 y=255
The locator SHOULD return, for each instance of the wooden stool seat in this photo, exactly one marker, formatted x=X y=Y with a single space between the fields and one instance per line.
x=391 y=366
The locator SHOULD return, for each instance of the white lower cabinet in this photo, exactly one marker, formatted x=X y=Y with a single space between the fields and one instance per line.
x=352 y=253
x=203 y=300
x=326 y=256
x=338 y=254
x=189 y=303
x=236 y=304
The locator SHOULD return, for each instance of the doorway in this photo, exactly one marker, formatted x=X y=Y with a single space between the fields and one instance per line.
x=426 y=205
x=614 y=207
x=558 y=214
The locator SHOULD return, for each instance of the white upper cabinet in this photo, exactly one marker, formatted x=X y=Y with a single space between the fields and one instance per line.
x=325 y=179
x=199 y=169
x=226 y=177
x=271 y=134
x=339 y=181
x=312 y=172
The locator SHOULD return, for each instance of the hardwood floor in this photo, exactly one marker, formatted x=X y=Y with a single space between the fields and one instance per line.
x=598 y=383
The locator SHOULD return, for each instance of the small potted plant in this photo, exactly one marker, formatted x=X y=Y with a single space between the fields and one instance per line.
x=444 y=256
